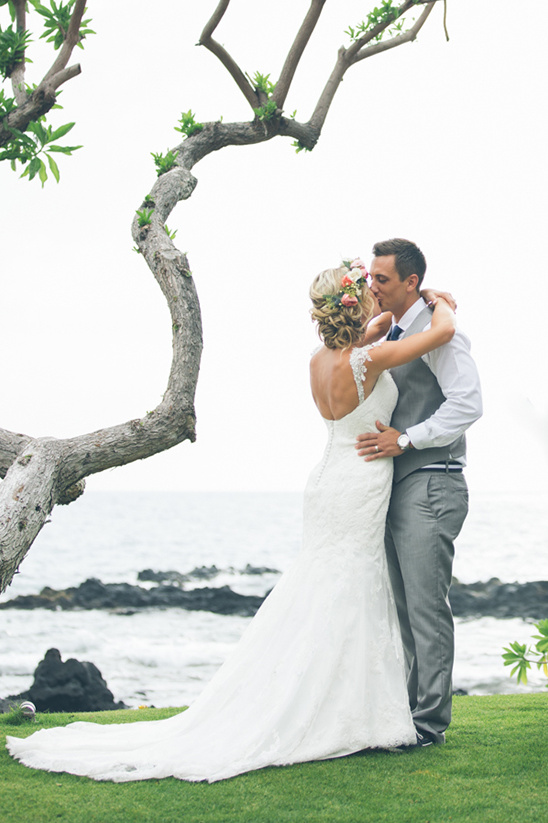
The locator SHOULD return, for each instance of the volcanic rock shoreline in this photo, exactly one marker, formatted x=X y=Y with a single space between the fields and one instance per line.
x=492 y=598
x=127 y=599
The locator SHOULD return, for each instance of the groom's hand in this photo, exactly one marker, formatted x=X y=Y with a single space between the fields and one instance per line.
x=382 y=444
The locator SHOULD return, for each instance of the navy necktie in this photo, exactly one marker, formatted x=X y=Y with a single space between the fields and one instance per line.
x=394 y=333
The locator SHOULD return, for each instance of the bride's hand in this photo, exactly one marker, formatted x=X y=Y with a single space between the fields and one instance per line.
x=431 y=295
x=443 y=318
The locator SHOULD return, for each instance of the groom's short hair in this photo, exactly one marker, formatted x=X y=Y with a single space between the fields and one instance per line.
x=409 y=259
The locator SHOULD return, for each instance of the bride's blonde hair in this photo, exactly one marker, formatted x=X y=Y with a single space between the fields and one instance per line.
x=339 y=326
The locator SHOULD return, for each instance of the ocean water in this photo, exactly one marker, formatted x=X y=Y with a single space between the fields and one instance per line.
x=165 y=657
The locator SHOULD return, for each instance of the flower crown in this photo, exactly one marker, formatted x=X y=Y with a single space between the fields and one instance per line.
x=352 y=284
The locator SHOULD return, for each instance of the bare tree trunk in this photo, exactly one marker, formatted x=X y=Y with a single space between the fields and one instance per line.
x=41 y=473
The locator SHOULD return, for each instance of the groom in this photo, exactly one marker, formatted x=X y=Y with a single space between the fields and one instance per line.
x=439 y=398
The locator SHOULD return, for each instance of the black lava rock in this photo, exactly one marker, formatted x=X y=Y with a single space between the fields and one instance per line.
x=68 y=687
x=496 y=599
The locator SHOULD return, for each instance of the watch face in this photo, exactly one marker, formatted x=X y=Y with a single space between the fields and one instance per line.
x=403 y=441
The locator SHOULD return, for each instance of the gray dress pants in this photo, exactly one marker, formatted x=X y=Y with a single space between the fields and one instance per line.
x=426 y=513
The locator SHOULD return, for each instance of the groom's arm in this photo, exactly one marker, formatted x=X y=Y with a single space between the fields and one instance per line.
x=458 y=378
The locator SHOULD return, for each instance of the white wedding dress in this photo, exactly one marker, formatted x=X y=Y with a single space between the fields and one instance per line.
x=318 y=673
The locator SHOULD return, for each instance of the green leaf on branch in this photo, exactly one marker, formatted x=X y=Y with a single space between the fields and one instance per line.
x=385 y=14
x=13 y=43
x=64 y=149
x=144 y=217
x=27 y=150
x=61 y=131
x=7 y=104
x=11 y=6
x=521 y=657
x=32 y=169
x=188 y=126
x=266 y=112
x=53 y=166
x=42 y=173
x=542 y=627
x=165 y=162
x=57 y=21
x=261 y=82
x=39 y=131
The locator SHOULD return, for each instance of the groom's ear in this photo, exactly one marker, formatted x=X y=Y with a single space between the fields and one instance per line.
x=412 y=283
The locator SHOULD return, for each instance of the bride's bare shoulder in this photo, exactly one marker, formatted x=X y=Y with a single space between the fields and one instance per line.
x=332 y=359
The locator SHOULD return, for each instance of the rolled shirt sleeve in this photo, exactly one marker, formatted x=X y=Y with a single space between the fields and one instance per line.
x=458 y=378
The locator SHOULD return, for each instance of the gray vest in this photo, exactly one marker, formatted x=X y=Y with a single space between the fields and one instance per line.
x=419 y=397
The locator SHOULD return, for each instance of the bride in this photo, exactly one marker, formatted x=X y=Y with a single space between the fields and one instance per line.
x=319 y=672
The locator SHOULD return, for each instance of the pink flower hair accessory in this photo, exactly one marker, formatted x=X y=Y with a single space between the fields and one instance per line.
x=352 y=284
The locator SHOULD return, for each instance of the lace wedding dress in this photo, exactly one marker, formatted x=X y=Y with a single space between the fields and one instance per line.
x=319 y=671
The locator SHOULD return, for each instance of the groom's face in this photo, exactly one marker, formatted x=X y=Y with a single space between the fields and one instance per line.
x=391 y=292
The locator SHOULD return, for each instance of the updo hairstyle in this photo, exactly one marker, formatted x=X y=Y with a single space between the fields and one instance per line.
x=339 y=327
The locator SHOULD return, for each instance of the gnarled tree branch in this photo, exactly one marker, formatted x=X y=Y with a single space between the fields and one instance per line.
x=44 y=472
x=228 y=62
x=10 y=446
x=348 y=56
x=399 y=40
x=18 y=74
x=296 y=51
x=71 y=40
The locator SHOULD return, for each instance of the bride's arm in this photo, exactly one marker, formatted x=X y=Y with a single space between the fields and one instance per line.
x=384 y=442
x=442 y=329
x=378 y=327
x=431 y=295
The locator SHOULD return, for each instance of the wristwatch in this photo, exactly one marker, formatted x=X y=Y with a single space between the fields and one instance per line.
x=404 y=442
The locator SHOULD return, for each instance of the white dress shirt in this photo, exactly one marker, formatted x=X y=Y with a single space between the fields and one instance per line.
x=458 y=378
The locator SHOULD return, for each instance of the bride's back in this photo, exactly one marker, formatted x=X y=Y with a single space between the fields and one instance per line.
x=333 y=384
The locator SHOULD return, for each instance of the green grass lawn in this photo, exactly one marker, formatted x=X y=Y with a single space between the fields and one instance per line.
x=493 y=769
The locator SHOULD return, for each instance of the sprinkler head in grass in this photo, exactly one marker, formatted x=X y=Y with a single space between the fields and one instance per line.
x=28 y=710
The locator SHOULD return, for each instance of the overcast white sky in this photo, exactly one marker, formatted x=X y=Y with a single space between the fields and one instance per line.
x=443 y=143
